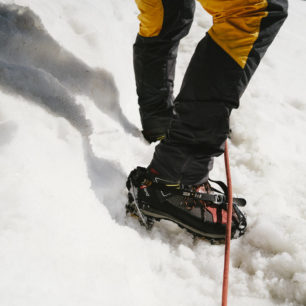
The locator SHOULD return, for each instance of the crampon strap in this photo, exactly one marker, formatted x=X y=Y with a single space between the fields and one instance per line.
x=218 y=197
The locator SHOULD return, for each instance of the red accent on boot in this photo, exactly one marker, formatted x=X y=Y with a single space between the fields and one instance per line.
x=213 y=211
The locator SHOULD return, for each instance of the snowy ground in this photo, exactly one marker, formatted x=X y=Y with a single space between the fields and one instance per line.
x=66 y=70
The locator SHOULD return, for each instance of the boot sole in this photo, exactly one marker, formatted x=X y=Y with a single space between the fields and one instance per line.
x=158 y=215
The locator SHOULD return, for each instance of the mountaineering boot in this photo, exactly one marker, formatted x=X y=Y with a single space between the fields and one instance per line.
x=201 y=210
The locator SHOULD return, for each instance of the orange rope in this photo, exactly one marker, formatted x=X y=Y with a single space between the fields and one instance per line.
x=228 y=228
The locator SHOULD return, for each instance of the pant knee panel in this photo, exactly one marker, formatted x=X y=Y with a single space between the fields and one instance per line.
x=239 y=23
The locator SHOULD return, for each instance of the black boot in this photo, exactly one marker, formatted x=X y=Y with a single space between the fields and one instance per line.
x=202 y=210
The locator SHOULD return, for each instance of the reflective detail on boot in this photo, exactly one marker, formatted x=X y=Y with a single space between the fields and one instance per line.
x=236 y=25
x=151 y=17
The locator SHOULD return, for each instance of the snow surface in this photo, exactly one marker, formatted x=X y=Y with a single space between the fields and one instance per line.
x=66 y=71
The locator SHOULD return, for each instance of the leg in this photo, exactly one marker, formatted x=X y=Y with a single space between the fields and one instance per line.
x=219 y=71
x=162 y=24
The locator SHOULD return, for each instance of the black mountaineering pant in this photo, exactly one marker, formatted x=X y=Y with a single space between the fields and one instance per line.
x=162 y=25
x=220 y=69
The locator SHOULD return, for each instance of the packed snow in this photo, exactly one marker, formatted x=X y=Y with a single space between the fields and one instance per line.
x=69 y=136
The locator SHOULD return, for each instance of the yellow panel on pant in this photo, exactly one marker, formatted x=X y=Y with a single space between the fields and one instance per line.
x=151 y=17
x=236 y=25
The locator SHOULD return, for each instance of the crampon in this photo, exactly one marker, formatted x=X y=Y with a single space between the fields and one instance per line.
x=201 y=210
